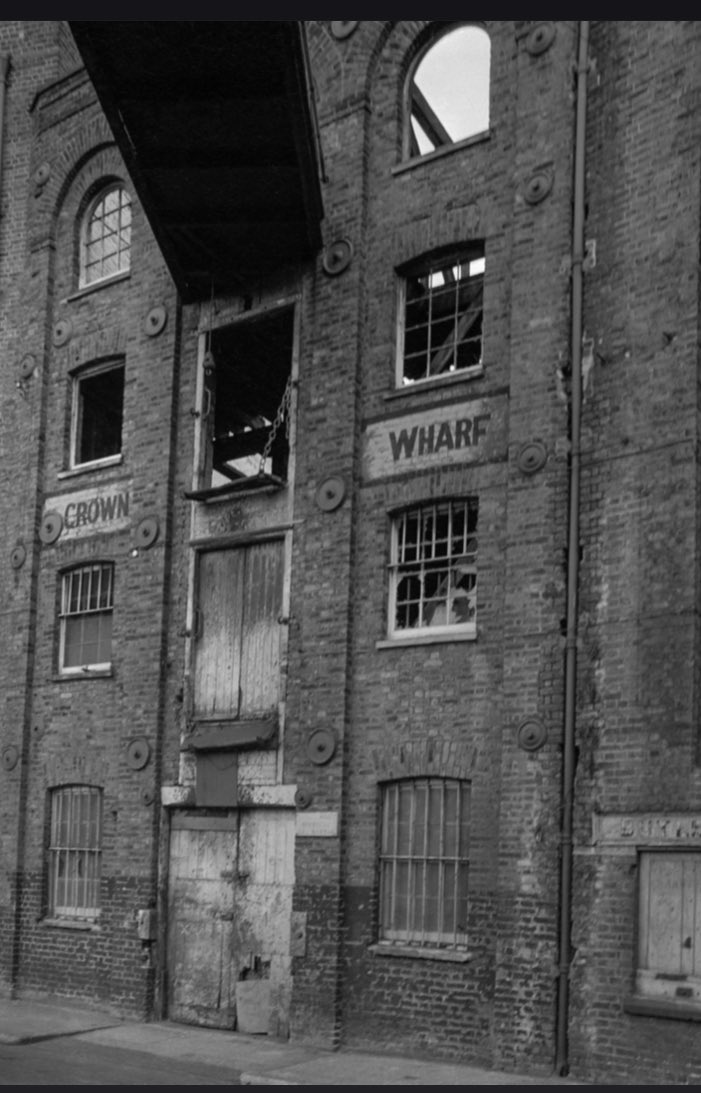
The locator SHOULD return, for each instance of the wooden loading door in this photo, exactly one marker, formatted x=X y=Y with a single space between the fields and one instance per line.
x=201 y=970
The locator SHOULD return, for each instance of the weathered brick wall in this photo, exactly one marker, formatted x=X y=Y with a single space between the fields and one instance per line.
x=638 y=668
x=79 y=729
x=462 y=697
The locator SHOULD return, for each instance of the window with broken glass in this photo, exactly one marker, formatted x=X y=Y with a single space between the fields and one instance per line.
x=441 y=309
x=105 y=244
x=247 y=397
x=87 y=597
x=424 y=862
x=433 y=570
x=75 y=853
x=97 y=412
x=448 y=91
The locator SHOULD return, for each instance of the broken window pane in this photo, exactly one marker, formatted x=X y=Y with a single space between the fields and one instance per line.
x=449 y=91
x=434 y=569
x=247 y=404
x=443 y=302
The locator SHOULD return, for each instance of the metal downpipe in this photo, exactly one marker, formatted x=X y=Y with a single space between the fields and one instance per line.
x=568 y=750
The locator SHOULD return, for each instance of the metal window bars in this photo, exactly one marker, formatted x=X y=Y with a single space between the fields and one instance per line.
x=75 y=852
x=424 y=861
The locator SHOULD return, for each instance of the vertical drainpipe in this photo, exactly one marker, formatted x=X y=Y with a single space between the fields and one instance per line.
x=568 y=750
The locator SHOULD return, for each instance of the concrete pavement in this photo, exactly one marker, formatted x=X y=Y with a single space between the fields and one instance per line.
x=252 y=1060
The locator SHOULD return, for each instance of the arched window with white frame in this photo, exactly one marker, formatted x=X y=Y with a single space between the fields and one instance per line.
x=105 y=237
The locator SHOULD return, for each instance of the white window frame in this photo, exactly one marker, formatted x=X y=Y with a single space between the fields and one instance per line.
x=109 y=240
x=87 y=591
x=668 y=964
x=75 y=853
x=78 y=414
x=443 y=279
x=417 y=554
x=424 y=875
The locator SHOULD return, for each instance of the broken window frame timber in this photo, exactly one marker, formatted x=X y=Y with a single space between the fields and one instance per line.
x=433 y=570
x=244 y=430
x=423 y=121
x=441 y=313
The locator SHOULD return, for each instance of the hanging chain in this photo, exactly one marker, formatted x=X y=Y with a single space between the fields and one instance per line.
x=283 y=414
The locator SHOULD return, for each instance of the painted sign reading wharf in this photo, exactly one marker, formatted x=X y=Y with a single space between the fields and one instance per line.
x=88 y=512
x=462 y=433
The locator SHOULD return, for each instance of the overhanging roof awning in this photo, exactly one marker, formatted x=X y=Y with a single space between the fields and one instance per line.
x=216 y=127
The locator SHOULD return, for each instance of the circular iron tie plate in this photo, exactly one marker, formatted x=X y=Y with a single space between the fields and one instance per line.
x=321 y=746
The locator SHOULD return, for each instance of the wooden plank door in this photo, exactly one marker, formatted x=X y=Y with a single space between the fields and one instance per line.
x=200 y=963
x=237 y=654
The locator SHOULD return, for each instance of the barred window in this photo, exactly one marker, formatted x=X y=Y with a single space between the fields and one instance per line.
x=75 y=852
x=424 y=861
x=433 y=569
x=86 y=618
x=442 y=313
x=105 y=246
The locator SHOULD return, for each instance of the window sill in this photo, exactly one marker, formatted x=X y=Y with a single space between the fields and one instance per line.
x=95 y=286
x=425 y=639
x=453 y=956
x=439 y=153
x=267 y=483
x=88 y=673
x=659 y=1007
x=87 y=468
x=71 y=924
x=437 y=383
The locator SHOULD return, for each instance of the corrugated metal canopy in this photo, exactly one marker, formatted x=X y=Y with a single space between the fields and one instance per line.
x=215 y=125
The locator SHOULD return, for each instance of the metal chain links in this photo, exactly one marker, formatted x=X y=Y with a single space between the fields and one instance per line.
x=283 y=414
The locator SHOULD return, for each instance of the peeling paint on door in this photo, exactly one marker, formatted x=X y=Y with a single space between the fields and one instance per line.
x=230 y=910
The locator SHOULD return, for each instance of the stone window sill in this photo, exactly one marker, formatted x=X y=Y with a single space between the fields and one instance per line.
x=71 y=924
x=453 y=956
x=424 y=639
x=661 y=1007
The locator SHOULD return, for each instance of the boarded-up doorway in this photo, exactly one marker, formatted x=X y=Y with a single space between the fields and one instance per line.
x=229 y=910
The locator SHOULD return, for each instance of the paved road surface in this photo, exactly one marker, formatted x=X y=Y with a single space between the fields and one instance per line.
x=65 y=1060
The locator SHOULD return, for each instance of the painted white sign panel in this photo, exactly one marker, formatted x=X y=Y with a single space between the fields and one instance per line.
x=87 y=512
x=454 y=433
x=647 y=829
x=321 y=824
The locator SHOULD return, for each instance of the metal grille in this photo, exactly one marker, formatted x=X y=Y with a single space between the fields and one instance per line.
x=433 y=568
x=86 y=617
x=443 y=317
x=75 y=852
x=107 y=237
x=424 y=861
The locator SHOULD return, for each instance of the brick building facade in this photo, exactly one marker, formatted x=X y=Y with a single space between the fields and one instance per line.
x=292 y=596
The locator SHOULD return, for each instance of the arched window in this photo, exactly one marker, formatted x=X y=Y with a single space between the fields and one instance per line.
x=105 y=243
x=448 y=91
